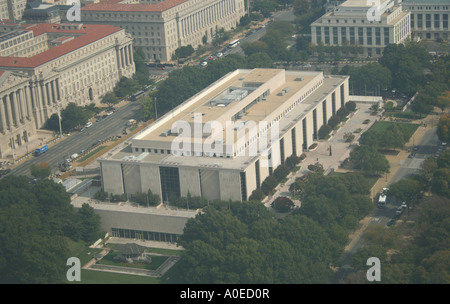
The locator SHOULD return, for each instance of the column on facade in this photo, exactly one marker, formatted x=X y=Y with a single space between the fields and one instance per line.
x=127 y=56
x=130 y=53
x=122 y=65
x=37 y=96
x=9 y=111
x=13 y=101
x=57 y=88
x=43 y=89
x=28 y=101
x=22 y=101
x=18 y=104
x=54 y=95
x=51 y=97
x=3 y=114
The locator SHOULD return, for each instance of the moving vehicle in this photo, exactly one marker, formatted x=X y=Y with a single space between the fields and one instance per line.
x=382 y=200
x=137 y=95
x=131 y=122
x=41 y=150
x=233 y=43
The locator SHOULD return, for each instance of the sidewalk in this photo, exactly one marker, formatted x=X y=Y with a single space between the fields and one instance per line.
x=394 y=162
x=340 y=149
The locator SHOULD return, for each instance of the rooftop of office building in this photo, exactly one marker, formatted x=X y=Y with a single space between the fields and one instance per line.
x=241 y=102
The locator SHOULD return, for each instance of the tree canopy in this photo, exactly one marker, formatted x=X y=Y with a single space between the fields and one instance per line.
x=35 y=222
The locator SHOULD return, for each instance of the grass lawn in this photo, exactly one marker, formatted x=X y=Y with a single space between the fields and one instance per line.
x=101 y=277
x=93 y=152
x=381 y=126
x=372 y=179
x=406 y=115
x=157 y=260
x=82 y=251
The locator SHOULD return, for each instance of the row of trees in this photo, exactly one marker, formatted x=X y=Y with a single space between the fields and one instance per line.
x=334 y=120
x=423 y=260
x=36 y=221
x=243 y=242
x=71 y=117
x=279 y=174
x=273 y=43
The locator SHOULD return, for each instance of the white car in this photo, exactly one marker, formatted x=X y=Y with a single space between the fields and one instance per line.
x=203 y=63
x=403 y=205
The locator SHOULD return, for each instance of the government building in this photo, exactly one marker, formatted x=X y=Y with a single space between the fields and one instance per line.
x=357 y=23
x=160 y=27
x=12 y=10
x=224 y=141
x=44 y=67
x=429 y=18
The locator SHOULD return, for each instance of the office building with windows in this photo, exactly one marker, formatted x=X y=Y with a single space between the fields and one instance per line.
x=44 y=67
x=12 y=10
x=224 y=141
x=429 y=18
x=357 y=23
x=160 y=27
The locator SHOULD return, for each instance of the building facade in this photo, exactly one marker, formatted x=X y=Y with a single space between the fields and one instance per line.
x=429 y=18
x=357 y=23
x=224 y=141
x=160 y=27
x=44 y=67
x=12 y=10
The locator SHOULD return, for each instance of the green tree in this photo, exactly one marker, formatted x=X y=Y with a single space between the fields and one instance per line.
x=259 y=60
x=292 y=162
x=407 y=190
x=257 y=195
x=72 y=116
x=109 y=99
x=41 y=170
x=343 y=112
x=427 y=168
x=443 y=129
x=269 y=184
x=283 y=204
x=324 y=131
x=406 y=63
x=41 y=215
x=350 y=105
x=184 y=51
x=334 y=121
x=89 y=224
x=281 y=172
x=441 y=181
x=369 y=160
x=443 y=161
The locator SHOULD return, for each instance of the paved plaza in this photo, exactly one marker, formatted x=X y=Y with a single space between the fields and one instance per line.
x=340 y=149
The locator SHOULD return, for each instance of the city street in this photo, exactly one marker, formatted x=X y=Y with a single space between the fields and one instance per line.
x=111 y=126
